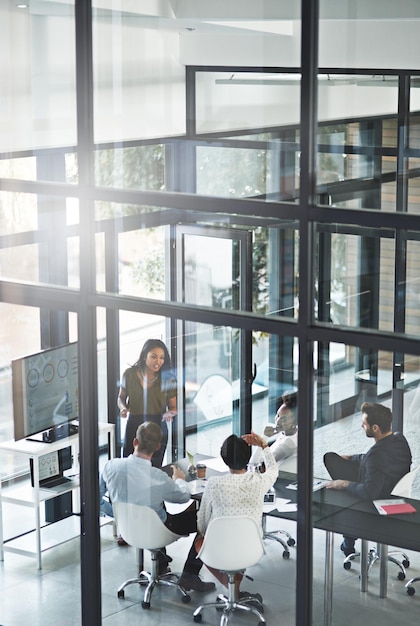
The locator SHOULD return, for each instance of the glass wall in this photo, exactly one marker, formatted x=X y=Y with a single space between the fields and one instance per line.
x=186 y=179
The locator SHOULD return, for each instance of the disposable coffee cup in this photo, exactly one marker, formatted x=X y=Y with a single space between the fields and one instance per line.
x=201 y=470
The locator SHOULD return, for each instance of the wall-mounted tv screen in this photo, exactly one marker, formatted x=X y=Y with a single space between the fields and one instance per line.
x=45 y=390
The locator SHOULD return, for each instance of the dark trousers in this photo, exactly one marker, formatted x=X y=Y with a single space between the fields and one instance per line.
x=183 y=524
x=339 y=468
x=344 y=469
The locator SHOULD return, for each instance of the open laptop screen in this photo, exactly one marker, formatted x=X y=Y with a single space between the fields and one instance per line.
x=52 y=465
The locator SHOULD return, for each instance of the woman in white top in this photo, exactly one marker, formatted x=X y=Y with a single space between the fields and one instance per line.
x=239 y=492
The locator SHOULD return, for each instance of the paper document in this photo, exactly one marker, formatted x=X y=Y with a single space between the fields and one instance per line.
x=217 y=463
x=289 y=507
x=317 y=484
x=197 y=486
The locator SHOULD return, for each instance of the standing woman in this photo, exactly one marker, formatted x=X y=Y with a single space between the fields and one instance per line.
x=148 y=394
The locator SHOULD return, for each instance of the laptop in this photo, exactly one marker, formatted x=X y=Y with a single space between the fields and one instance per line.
x=51 y=468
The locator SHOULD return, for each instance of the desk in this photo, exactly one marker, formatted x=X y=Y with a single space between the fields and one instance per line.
x=49 y=535
x=337 y=511
x=198 y=458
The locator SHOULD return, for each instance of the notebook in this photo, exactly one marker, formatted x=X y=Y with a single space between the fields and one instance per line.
x=396 y=506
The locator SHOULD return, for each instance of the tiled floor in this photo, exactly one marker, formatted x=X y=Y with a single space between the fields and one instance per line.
x=51 y=597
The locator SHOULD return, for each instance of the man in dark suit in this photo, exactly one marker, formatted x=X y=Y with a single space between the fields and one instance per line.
x=372 y=475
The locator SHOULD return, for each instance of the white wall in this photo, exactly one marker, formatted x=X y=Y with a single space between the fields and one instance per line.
x=140 y=67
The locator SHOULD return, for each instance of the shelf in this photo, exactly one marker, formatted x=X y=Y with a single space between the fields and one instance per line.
x=52 y=535
x=33 y=541
x=25 y=494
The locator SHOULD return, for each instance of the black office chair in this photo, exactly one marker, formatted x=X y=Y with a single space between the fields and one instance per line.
x=374 y=557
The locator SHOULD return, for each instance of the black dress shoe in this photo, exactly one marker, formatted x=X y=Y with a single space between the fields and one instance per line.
x=192 y=582
x=252 y=599
x=165 y=557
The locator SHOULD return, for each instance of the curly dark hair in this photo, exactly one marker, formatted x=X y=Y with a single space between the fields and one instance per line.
x=149 y=345
x=235 y=452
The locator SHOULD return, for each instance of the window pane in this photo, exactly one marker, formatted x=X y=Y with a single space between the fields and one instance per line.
x=142 y=167
x=362 y=376
x=355 y=285
x=232 y=101
x=139 y=81
x=38 y=82
x=44 y=251
x=414 y=186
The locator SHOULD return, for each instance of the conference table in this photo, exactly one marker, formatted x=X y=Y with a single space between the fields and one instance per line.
x=337 y=511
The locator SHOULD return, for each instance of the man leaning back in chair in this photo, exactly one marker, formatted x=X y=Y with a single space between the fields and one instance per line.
x=134 y=480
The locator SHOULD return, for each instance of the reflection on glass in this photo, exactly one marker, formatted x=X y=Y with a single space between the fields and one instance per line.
x=352 y=96
x=211 y=385
x=23 y=168
x=232 y=172
x=345 y=148
x=356 y=284
x=139 y=94
x=210 y=271
x=412 y=305
x=232 y=101
x=141 y=262
x=414 y=186
x=276 y=362
x=414 y=129
x=361 y=376
x=140 y=167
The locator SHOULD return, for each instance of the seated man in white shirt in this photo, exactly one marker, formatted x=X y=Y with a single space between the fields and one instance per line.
x=282 y=436
x=134 y=479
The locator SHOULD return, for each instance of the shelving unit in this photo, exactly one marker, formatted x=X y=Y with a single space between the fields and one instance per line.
x=45 y=536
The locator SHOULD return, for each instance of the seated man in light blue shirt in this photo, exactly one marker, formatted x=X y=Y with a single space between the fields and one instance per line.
x=134 y=479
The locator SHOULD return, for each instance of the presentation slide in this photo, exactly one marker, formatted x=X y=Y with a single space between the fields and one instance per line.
x=46 y=388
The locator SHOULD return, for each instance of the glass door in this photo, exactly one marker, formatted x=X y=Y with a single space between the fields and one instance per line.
x=213 y=270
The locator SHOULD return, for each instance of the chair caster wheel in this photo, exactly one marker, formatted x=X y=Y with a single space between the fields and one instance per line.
x=258 y=596
x=406 y=563
x=198 y=618
x=186 y=599
x=145 y=605
x=411 y=591
x=291 y=542
x=286 y=554
x=347 y=565
x=121 y=593
x=401 y=576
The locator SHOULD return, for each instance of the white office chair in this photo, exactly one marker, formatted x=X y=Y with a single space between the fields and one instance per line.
x=403 y=490
x=231 y=544
x=142 y=528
